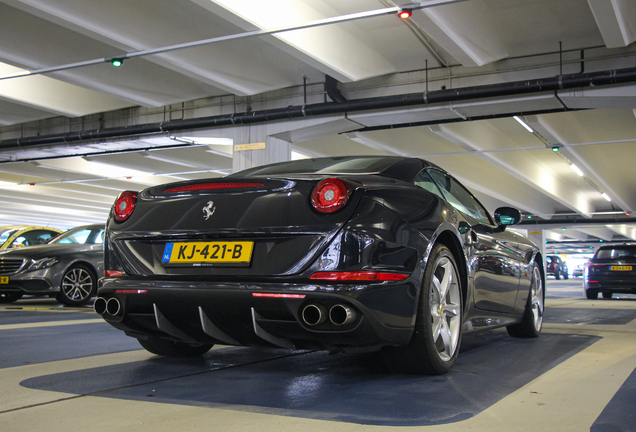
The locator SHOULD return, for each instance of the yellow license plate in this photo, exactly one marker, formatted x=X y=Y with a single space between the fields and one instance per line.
x=239 y=252
x=621 y=268
x=4 y=280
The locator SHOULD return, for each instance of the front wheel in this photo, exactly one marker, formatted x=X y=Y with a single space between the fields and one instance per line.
x=436 y=338
x=557 y=275
x=10 y=297
x=173 y=349
x=532 y=320
x=79 y=284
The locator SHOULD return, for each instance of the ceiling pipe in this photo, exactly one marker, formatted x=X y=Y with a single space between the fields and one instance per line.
x=594 y=79
x=332 y=90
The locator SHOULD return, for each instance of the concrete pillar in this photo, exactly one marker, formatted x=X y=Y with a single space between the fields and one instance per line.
x=256 y=153
x=538 y=236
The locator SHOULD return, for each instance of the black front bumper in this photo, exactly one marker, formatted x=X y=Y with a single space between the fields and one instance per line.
x=237 y=314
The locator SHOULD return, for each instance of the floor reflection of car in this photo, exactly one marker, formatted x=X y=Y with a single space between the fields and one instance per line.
x=342 y=254
x=611 y=270
x=67 y=267
x=14 y=236
x=557 y=267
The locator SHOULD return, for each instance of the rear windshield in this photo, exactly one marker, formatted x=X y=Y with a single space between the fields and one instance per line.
x=335 y=165
x=616 y=253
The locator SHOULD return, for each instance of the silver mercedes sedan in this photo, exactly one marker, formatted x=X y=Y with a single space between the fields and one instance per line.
x=67 y=267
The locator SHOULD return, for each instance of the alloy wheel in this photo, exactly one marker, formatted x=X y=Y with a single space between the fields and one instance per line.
x=536 y=291
x=77 y=284
x=445 y=304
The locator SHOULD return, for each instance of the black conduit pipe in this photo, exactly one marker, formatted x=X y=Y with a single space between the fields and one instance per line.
x=332 y=90
x=563 y=82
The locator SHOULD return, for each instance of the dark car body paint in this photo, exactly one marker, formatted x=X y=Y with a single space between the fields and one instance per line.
x=389 y=224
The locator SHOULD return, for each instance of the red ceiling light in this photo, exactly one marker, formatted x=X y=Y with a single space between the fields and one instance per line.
x=405 y=13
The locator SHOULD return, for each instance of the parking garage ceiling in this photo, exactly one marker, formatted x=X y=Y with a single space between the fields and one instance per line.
x=223 y=61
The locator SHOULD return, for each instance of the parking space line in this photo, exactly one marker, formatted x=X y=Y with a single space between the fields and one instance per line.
x=50 y=324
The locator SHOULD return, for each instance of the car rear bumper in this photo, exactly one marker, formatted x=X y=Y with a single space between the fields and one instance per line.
x=262 y=313
x=612 y=285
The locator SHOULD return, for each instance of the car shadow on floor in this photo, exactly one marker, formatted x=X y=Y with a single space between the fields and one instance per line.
x=344 y=387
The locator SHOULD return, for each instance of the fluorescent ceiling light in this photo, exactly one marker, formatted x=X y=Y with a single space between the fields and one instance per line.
x=97 y=169
x=522 y=123
x=8 y=71
x=577 y=170
x=204 y=140
x=169 y=160
x=296 y=156
x=606 y=196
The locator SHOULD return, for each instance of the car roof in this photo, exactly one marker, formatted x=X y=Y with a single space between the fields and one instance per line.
x=24 y=227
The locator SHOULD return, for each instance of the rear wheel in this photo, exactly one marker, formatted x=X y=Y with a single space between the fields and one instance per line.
x=437 y=334
x=173 y=349
x=78 y=286
x=607 y=295
x=566 y=275
x=557 y=274
x=10 y=297
x=591 y=294
x=532 y=320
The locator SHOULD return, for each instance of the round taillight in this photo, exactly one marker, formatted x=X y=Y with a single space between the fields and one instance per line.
x=329 y=195
x=125 y=205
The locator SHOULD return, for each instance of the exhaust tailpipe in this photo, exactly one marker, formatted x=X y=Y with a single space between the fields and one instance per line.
x=314 y=314
x=342 y=315
x=113 y=306
x=99 y=305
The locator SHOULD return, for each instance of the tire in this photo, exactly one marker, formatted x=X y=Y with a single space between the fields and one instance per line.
x=78 y=285
x=164 y=347
x=10 y=297
x=437 y=334
x=566 y=275
x=557 y=275
x=591 y=294
x=607 y=295
x=532 y=320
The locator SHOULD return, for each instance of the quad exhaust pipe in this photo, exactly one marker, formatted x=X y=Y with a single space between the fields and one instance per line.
x=315 y=314
x=110 y=306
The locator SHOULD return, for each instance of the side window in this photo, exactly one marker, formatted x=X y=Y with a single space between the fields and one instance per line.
x=459 y=197
x=425 y=181
x=32 y=238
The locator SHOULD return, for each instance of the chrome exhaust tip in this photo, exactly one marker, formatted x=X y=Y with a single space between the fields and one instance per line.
x=99 y=305
x=113 y=306
x=342 y=315
x=314 y=314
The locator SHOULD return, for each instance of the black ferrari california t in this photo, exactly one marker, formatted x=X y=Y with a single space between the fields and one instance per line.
x=340 y=254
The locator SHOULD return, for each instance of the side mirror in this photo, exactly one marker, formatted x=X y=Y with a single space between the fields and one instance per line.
x=507 y=216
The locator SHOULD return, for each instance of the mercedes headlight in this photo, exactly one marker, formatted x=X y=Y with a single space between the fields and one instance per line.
x=41 y=263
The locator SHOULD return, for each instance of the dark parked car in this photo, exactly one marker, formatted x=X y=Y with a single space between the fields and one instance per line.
x=557 y=267
x=343 y=253
x=611 y=270
x=67 y=267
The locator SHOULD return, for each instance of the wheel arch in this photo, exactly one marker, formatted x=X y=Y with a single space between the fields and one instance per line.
x=451 y=241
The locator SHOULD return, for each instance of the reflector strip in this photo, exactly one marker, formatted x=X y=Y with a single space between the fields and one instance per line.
x=112 y=273
x=359 y=276
x=272 y=295
x=129 y=291
x=212 y=186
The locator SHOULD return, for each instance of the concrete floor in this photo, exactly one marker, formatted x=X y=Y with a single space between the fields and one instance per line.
x=64 y=369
